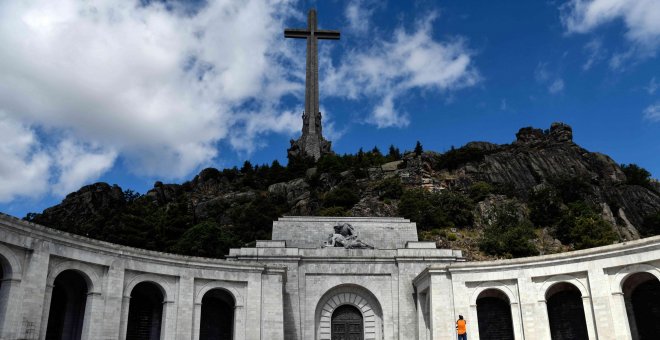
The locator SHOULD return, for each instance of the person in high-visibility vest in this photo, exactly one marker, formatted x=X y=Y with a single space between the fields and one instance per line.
x=460 y=328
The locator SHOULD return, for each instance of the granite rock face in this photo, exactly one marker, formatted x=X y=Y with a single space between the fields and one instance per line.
x=83 y=206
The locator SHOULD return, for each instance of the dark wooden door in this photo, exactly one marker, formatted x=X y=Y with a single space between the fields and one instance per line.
x=347 y=324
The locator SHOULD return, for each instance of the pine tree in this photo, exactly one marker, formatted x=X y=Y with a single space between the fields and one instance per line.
x=418 y=148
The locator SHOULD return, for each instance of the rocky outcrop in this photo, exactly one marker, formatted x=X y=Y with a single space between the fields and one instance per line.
x=84 y=207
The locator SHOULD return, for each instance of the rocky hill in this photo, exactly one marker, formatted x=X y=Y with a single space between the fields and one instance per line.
x=540 y=194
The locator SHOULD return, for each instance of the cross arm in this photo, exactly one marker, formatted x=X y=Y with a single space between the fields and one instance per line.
x=296 y=33
x=327 y=34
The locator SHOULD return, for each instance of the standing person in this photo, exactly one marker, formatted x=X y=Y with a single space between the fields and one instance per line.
x=460 y=328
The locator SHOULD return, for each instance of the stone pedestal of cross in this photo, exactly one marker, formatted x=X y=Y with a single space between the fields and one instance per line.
x=311 y=142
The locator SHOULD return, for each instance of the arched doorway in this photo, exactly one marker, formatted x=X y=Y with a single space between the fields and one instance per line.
x=641 y=293
x=494 y=315
x=359 y=298
x=347 y=324
x=217 y=320
x=566 y=312
x=67 y=306
x=145 y=312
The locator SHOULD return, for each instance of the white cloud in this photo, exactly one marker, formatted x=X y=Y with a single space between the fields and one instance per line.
x=652 y=112
x=503 y=105
x=31 y=168
x=384 y=115
x=640 y=17
x=652 y=87
x=595 y=53
x=24 y=166
x=77 y=163
x=390 y=69
x=358 y=14
x=156 y=85
x=554 y=83
x=556 y=86
x=255 y=123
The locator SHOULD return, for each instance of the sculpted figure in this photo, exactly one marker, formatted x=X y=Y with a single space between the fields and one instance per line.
x=345 y=236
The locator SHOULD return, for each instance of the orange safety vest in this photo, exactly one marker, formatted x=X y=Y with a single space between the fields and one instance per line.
x=460 y=327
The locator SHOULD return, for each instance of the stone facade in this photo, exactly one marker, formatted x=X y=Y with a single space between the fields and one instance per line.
x=289 y=287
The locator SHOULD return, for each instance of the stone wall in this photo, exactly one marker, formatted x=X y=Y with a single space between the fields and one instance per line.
x=597 y=273
x=32 y=256
x=284 y=292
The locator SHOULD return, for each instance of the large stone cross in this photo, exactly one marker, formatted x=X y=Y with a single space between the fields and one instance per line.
x=311 y=140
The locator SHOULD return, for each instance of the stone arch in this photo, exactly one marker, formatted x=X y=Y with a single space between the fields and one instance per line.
x=616 y=285
x=506 y=323
x=354 y=295
x=11 y=267
x=67 y=304
x=238 y=298
x=147 y=312
x=641 y=296
x=564 y=278
x=217 y=315
x=158 y=281
x=86 y=271
x=502 y=287
x=568 y=308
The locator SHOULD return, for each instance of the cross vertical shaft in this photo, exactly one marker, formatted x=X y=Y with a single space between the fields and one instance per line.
x=311 y=142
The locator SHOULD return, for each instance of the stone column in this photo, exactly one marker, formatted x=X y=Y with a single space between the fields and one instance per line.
x=589 y=318
x=621 y=322
x=239 y=323
x=197 y=318
x=34 y=292
x=443 y=318
x=544 y=321
x=473 y=324
x=185 y=310
x=10 y=302
x=48 y=295
x=123 y=323
x=93 y=319
x=252 y=328
x=272 y=321
x=168 y=326
x=517 y=321
x=113 y=312
x=604 y=317
x=532 y=326
x=422 y=316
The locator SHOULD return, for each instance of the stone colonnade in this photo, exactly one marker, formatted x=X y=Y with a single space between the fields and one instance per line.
x=596 y=275
x=598 y=280
x=32 y=257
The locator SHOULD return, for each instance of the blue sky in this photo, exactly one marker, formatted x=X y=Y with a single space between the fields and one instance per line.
x=131 y=93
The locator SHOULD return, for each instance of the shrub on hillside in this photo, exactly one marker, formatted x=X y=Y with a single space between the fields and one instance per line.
x=454 y=158
x=390 y=188
x=545 y=207
x=636 y=175
x=333 y=211
x=583 y=226
x=508 y=235
x=478 y=191
x=429 y=210
x=651 y=225
x=340 y=197
x=206 y=239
